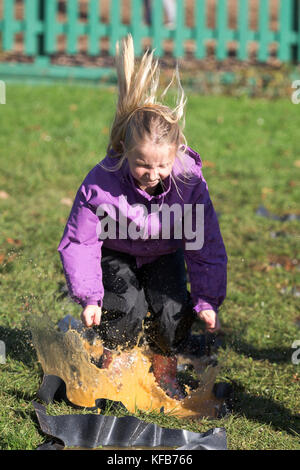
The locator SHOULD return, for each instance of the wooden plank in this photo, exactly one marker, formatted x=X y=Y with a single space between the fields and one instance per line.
x=19 y=71
x=243 y=29
x=221 y=31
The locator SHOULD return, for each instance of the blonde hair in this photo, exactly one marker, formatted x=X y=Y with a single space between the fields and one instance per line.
x=139 y=115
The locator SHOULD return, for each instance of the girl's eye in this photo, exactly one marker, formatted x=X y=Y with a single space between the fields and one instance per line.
x=141 y=165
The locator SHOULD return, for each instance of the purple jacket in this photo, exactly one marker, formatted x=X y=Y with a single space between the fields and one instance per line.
x=114 y=196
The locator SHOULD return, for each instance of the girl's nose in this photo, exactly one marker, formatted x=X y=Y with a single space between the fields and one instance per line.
x=152 y=175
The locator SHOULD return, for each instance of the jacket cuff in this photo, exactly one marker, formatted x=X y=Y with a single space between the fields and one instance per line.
x=203 y=305
x=91 y=301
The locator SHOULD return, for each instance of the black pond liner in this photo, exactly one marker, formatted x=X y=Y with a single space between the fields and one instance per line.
x=93 y=430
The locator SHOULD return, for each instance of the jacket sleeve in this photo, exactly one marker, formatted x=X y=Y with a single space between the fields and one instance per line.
x=206 y=265
x=80 y=252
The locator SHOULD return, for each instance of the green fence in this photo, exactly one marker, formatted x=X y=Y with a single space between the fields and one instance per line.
x=40 y=30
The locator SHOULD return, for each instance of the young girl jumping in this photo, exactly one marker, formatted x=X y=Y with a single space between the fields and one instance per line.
x=138 y=218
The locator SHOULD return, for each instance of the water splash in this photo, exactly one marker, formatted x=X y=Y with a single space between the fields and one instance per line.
x=128 y=378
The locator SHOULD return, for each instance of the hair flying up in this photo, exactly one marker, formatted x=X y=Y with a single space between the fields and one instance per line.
x=139 y=115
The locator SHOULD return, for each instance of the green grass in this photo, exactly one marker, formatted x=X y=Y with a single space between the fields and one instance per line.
x=51 y=136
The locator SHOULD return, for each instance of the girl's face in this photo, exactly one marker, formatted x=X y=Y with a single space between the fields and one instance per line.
x=150 y=163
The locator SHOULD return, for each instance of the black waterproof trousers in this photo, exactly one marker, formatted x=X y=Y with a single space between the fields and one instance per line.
x=153 y=299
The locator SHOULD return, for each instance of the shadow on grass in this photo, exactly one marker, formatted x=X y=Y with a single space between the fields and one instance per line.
x=232 y=340
x=18 y=345
x=260 y=408
x=264 y=410
x=276 y=355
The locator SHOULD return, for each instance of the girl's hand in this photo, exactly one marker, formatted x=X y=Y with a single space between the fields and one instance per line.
x=210 y=319
x=91 y=315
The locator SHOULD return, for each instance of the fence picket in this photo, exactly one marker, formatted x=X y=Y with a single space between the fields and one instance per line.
x=31 y=17
x=71 y=26
x=298 y=30
x=50 y=26
x=284 y=30
x=8 y=25
x=137 y=27
x=263 y=30
x=157 y=27
x=180 y=30
x=201 y=32
x=93 y=27
x=221 y=36
x=114 y=26
x=243 y=29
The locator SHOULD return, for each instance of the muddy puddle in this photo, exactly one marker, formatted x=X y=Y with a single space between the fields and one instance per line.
x=128 y=378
